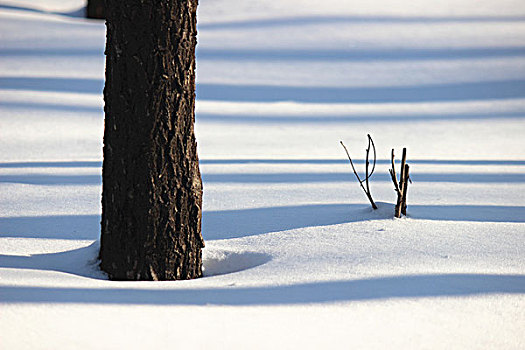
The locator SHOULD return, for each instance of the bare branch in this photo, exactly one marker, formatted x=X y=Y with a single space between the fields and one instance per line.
x=375 y=155
x=351 y=163
x=367 y=192
x=367 y=163
x=402 y=176
x=401 y=187
x=404 y=195
x=393 y=173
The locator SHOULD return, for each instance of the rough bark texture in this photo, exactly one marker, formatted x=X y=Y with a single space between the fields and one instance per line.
x=96 y=9
x=152 y=189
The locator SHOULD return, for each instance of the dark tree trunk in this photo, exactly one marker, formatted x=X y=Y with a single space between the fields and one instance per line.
x=152 y=189
x=96 y=9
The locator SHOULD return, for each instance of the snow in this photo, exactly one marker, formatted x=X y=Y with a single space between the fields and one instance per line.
x=295 y=257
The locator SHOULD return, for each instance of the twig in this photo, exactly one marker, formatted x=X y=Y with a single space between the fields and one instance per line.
x=367 y=163
x=375 y=155
x=367 y=176
x=405 y=189
x=401 y=187
x=393 y=174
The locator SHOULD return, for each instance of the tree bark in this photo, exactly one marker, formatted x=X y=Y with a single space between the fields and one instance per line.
x=151 y=189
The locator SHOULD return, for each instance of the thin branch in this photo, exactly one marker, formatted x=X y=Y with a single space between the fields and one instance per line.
x=375 y=155
x=393 y=173
x=402 y=176
x=351 y=163
x=405 y=188
x=369 y=196
x=367 y=163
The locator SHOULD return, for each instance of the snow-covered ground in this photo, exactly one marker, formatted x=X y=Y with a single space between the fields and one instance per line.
x=295 y=257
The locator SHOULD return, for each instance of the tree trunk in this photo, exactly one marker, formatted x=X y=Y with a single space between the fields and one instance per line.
x=96 y=9
x=151 y=189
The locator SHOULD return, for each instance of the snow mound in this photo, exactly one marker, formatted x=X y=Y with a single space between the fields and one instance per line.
x=223 y=262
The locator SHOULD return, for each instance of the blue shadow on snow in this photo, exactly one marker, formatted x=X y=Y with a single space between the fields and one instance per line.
x=267 y=93
x=227 y=224
x=358 y=55
x=396 y=287
x=275 y=178
x=98 y=164
x=338 y=20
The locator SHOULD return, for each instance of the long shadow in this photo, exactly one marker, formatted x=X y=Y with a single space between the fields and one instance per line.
x=420 y=93
x=343 y=177
x=76 y=227
x=345 y=161
x=357 y=55
x=79 y=13
x=397 y=287
x=273 y=119
x=63 y=180
x=98 y=164
x=335 y=20
x=266 y=93
x=55 y=164
x=227 y=224
x=91 y=52
x=275 y=178
x=331 y=55
x=277 y=119
x=52 y=107
x=81 y=262
x=475 y=213
x=79 y=85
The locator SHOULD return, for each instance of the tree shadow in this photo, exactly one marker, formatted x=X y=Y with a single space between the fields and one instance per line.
x=275 y=178
x=54 y=164
x=98 y=164
x=76 y=227
x=314 y=119
x=319 y=94
x=81 y=262
x=474 y=213
x=396 y=287
x=357 y=55
x=78 y=13
x=344 y=161
x=311 y=177
x=45 y=179
x=54 y=107
x=94 y=52
x=364 y=94
x=228 y=224
x=78 y=85
x=338 y=20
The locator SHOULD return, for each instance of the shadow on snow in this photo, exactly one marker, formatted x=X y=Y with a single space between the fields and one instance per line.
x=266 y=93
x=228 y=224
x=396 y=287
x=333 y=20
x=276 y=178
x=79 y=13
x=83 y=262
x=98 y=164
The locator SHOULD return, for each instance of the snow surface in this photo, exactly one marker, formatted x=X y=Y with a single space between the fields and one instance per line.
x=295 y=257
